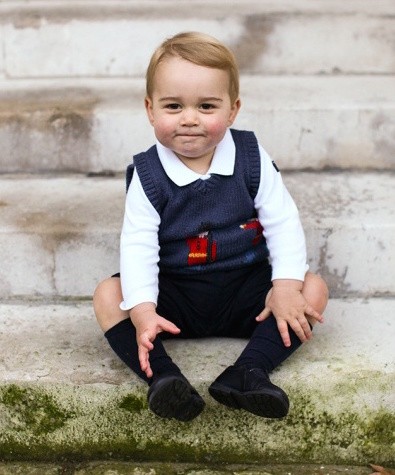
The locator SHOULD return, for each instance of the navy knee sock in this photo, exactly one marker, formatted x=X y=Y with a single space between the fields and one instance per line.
x=266 y=348
x=122 y=339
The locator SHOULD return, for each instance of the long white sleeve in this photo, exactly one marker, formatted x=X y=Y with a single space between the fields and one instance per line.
x=139 y=248
x=279 y=217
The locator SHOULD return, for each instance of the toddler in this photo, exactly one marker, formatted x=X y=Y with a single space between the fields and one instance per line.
x=211 y=244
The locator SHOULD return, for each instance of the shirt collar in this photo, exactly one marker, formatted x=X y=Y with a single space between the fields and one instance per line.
x=223 y=162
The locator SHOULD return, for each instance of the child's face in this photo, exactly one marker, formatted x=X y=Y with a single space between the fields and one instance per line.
x=190 y=110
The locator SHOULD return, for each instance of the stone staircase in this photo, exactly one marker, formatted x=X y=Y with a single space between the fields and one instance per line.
x=318 y=88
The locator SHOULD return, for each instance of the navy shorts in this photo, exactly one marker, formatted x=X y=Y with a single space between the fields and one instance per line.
x=220 y=303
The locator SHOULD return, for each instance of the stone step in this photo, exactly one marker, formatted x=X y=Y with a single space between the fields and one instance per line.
x=309 y=122
x=59 y=235
x=115 y=39
x=65 y=396
x=145 y=468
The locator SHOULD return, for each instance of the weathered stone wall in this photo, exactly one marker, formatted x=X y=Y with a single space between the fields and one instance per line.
x=318 y=87
x=317 y=79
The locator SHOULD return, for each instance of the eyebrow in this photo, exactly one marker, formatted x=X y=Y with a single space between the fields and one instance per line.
x=201 y=99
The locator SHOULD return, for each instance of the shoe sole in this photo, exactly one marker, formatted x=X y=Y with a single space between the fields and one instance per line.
x=173 y=397
x=271 y=404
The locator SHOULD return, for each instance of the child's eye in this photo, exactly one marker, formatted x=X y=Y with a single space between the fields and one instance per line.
x=173 y=106
x=207 y=106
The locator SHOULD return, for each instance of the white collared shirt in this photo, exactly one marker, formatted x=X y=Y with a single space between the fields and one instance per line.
x=276 y=210
x=223 y=162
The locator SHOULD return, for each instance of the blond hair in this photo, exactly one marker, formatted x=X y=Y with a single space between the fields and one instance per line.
x=198 y=48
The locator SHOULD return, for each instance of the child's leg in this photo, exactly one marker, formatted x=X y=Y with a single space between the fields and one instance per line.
x=170 y=394
x=106 y=301
x=266 y=349
x=121 y=334
x=246 y=385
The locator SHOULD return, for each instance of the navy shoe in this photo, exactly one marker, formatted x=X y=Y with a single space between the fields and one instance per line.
x=172 y=396
x=250 y=389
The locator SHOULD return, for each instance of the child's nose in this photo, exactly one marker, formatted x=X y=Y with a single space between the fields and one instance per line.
x=189 y=117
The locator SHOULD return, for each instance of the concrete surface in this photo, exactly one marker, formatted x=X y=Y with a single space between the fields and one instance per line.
x=317 y=83
x=104 y=40
x=317 y=78
x=64 y=394
x=59 y=235
x=128 y=468
x=95 y=125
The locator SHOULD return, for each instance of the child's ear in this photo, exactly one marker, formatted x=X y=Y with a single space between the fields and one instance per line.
x=148 y=108
x=234 y=111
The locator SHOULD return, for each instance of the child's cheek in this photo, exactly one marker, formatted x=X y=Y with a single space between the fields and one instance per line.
x=217 y=128
x=163 y=129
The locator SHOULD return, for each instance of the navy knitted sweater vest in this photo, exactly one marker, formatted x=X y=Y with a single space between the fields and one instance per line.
x=209 y=224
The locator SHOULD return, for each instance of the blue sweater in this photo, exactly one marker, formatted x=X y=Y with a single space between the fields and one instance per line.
x=209 y=224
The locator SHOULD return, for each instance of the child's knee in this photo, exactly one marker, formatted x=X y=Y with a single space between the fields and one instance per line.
x=106 y=299
x=100 y=296
x=316 y=291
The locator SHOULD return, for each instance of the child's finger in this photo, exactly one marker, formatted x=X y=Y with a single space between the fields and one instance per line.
x=304 y=324
x=144 y=361
x=169 y=327
x=146 y=342
x=263 y=315
x=313 y=313
x=283 y=329
x=301 y=327
x=149 y=372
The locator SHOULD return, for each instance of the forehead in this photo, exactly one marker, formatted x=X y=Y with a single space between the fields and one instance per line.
x=179 y=74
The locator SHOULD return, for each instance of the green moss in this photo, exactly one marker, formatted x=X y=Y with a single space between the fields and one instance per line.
x=381 y=428
x=33 y=410
x=132 y=403
x=119 y=425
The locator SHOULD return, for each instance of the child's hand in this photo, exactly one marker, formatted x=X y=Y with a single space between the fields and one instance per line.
x=148 y=325
x=288 y=305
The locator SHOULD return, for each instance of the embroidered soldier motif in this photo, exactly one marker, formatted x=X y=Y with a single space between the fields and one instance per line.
x=254 y=224
x=201 y=249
